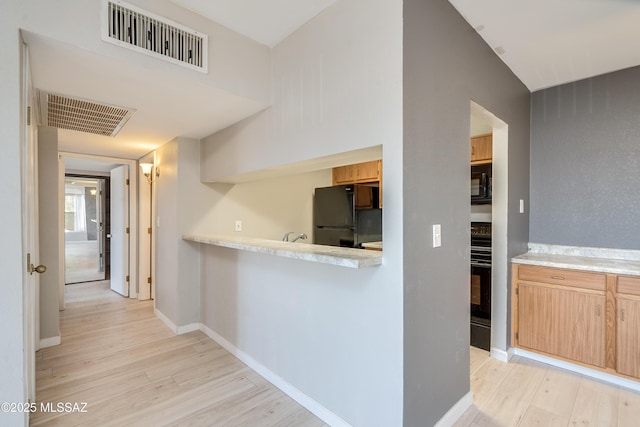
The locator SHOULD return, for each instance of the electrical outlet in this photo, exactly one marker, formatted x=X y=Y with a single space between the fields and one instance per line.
x=437 y=235
x=238 y=225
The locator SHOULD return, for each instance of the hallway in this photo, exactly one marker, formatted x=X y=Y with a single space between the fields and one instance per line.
x=130 y=369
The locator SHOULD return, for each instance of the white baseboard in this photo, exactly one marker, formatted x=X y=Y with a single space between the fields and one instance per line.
x=178 y=330
x=456 y=411
x=166 y=320
x=188 y=328
x=314 y=407
x=50 y=342
x=592 y=373
x=501 y=355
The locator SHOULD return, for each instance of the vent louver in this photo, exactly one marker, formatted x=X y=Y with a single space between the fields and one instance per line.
x=128 y=26
x=81 y=115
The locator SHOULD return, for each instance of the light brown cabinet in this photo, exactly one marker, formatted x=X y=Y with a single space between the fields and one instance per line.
x=481 y=148
x=569 y=323
x=344 y=175
x=360 y=173
x=587 y=317
x=628 y=326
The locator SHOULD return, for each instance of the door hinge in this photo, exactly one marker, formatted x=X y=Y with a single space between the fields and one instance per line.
x=127 y=230
x=517 y=291
x=126 y=279
x=127 y=181
x=149 y=280
x=517 y=337
x=29 y=116
x=149 y=230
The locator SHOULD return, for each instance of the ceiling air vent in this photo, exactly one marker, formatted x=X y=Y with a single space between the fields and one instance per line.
x=81 y=115
x=131 y=27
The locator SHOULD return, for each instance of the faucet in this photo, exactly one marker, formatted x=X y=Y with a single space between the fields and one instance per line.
x=285 y=238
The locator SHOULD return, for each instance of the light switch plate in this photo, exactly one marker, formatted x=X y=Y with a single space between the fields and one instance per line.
x=437 y=235
x=238 y=225
x=521 y=205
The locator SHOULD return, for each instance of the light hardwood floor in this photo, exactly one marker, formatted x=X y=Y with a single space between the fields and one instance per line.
x=131 y=369
x=527 y=393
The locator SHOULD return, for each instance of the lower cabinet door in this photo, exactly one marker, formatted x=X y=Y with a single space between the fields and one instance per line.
x=570 y=324
x=628 y=337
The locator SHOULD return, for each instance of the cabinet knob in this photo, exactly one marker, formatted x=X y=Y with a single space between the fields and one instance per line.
x=622 y=314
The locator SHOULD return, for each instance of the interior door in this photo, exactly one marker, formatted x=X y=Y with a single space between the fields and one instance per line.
x=30 y=236
x=100 y=199
x=120 y=230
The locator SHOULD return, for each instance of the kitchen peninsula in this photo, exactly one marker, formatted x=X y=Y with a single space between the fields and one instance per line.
x=345 y=257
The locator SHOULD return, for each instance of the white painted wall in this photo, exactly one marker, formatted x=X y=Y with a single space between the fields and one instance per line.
x=268 y=208
x=333 y=333
x=236 y=63
x=12 y=384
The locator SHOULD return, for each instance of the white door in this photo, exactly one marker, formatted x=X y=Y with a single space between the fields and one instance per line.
x=120 y=230
x=30 y=236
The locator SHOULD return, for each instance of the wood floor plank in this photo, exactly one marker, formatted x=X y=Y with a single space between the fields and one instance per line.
x=132 y=370
x=557 y=392
x=628 y=408
x=596 y=404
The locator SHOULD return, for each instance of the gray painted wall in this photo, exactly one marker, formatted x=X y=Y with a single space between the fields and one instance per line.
x=49 y=237
x=446 y=65
x=585 y=162
x=178 y=196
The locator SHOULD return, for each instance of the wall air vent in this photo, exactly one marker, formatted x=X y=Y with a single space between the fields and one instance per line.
x=131 y=27
x=81 y=115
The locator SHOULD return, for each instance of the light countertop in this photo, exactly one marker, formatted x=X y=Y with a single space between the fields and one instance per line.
x=345 y=257
x=613 y=261
x=372 y=245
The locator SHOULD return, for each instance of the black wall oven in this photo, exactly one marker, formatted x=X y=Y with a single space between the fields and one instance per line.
x=481 y=285
x=481 y=184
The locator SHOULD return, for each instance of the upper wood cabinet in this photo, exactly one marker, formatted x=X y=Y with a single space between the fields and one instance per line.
x=344 y=175
x=481 y=148
x=361 y=172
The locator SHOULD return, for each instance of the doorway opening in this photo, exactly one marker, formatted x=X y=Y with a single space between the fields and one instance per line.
x=490 y=220
x=86 y=225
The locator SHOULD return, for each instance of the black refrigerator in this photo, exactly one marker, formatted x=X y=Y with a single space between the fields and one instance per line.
x=347 y=215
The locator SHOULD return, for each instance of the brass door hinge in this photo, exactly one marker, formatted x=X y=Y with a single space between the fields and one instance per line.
x=127 y=181
x=149 y=280
x=29 y=116
x=127 y=230
x=149 y=230
x=127 y=278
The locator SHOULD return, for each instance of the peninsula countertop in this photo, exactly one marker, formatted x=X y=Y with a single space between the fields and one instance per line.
x=345 y=257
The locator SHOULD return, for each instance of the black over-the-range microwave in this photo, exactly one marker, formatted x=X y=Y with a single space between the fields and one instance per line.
x=481 y=184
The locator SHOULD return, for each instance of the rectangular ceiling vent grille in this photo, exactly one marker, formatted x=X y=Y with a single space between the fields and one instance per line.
x=81 y=115
x=131 y=27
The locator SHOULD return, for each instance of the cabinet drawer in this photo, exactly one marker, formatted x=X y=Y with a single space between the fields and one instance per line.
x=629 y=285
x=558 y=276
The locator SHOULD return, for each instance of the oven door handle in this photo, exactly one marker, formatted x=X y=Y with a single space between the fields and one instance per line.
x=481 y=265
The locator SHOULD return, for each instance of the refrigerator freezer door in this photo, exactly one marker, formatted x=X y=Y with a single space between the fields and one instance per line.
x=333 y=206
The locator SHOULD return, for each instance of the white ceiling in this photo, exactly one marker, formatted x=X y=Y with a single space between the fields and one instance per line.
x=552 y=42
x=545 y=43
x=266 y=21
